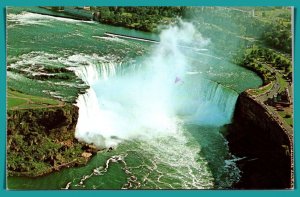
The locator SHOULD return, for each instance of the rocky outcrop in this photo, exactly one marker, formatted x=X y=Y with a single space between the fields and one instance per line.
x=263 y=144
x=40 y=140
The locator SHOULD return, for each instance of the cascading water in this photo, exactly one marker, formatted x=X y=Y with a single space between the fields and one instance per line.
x=205 y=102
x=154 y=101
x=152 y=97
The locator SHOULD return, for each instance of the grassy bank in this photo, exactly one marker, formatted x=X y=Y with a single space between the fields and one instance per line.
x=17 y=100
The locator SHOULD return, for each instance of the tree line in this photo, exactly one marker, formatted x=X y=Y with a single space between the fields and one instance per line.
x=141 y=18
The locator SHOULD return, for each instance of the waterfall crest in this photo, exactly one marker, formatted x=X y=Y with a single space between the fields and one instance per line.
x=205 y=102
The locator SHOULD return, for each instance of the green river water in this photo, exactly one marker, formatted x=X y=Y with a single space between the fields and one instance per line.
x=192 y=155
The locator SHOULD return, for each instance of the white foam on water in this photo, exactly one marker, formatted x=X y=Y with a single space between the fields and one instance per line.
x=28 y=18
x=185 y=166
x=114 y=39
x=32 y=58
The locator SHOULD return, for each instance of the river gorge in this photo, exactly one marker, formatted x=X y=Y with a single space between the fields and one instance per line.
x=156 y=111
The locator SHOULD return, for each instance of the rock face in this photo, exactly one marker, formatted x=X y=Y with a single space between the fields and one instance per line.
x=41 y=140
x=263 y=145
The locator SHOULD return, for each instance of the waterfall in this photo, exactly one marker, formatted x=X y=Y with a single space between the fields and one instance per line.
x=94 y=72
x=92 y=119
x=116 y=108
x=149 y=98
x=205 y=102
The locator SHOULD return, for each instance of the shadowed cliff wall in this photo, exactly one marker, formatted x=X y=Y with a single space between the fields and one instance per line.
x=262 y=143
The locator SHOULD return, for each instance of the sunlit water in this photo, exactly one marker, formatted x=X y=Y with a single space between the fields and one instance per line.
x=161 y=106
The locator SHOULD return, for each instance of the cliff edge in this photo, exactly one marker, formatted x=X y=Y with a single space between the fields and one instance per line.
x=41 y=140
x=265 y=147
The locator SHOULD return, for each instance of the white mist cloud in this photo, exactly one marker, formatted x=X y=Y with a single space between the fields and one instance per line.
x=146 y=102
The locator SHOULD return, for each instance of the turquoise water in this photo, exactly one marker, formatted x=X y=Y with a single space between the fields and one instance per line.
x=187 y=153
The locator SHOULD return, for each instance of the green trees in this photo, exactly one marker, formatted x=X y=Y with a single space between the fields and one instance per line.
x=36 y=147
x=141 y=18
x=261 y=60
x=279 y=36
x=57 y=8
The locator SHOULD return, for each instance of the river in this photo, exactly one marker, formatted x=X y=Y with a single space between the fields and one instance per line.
x=159 y=106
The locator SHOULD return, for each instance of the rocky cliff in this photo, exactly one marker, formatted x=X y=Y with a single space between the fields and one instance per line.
x=262 y=143
x=40 y=140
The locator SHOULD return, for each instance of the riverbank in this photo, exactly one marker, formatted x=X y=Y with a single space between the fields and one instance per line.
x=276 y=71
x=41 y=140
x=264 y=144
x=262 y=128
x=147 y=19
